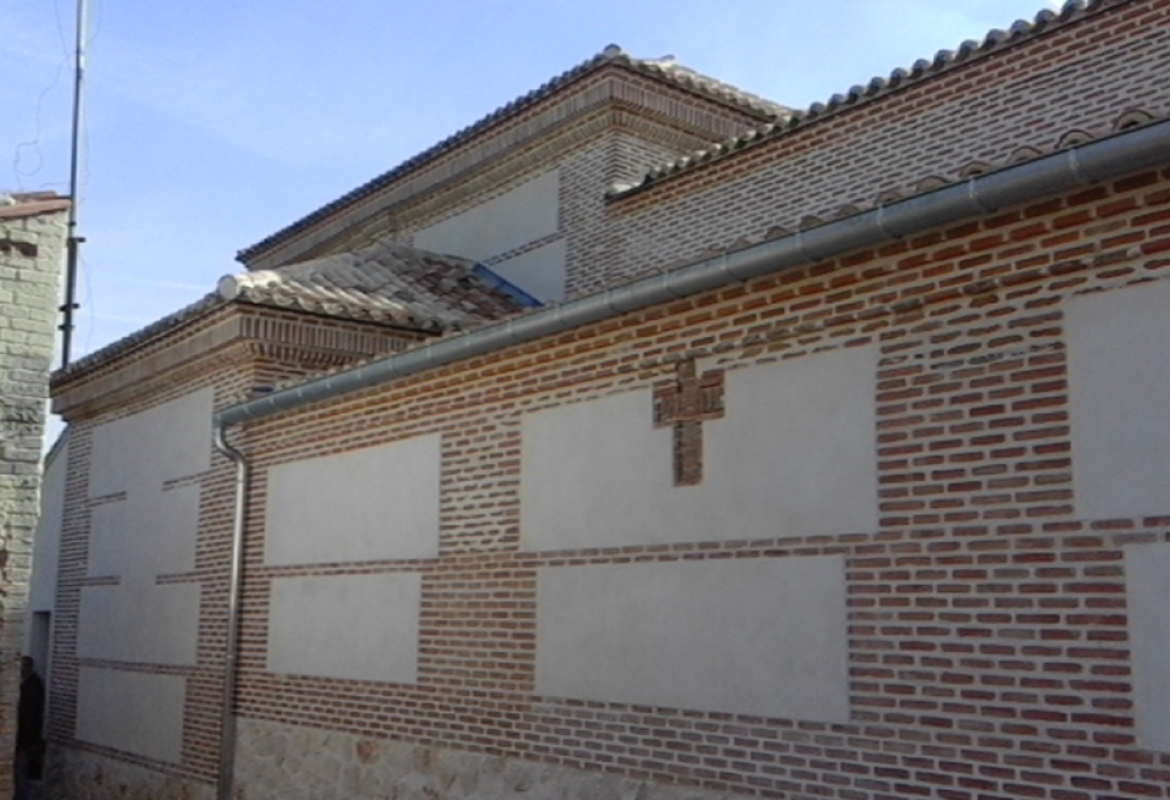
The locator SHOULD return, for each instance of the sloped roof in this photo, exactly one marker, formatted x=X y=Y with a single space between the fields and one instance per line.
x=666 y=69
x=385 y=282
x=923 y=69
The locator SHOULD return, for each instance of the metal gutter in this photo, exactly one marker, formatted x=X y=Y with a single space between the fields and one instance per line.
x=227 y=720
x=1123 y=153
x=1116 y=155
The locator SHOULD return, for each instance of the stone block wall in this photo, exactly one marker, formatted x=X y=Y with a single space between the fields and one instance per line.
x=32 y=233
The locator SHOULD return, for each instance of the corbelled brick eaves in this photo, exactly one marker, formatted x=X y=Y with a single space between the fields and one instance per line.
x=386 y=284
x=212 y=335
x=968 y=53
x=664 y=72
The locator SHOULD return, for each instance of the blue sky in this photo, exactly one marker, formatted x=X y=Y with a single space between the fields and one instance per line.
x=213 y=123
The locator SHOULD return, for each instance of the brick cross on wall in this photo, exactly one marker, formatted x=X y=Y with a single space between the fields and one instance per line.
x=684 y=404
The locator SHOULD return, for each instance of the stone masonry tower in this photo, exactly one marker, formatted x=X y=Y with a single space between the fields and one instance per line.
x=32 y=233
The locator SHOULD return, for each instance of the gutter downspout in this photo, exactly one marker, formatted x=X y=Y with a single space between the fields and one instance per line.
x=1123 y=153
x=227 y=722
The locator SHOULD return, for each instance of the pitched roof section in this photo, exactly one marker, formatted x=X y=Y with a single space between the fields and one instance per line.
x=17 y=205
x=189 y=313
x=386 y=282
x=923 y=69
x=665 y=69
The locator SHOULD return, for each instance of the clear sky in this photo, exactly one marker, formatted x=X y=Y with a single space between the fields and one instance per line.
x=213 y=123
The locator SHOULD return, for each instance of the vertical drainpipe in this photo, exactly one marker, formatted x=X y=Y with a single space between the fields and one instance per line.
x=227 y=739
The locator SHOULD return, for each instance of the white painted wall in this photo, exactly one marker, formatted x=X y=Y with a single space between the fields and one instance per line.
x=140 y=621
x=169 y=441
x=758 y=636
x=43 y=580
x=149 y=532
x=377 y=503
x=1147 y=587
x=524 y=214
x=363 y=627
x=132 y=711
x=540 y=272
x=794 y=455
x=1119 y=380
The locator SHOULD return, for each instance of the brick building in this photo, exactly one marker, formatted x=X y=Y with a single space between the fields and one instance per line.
x=32 y=232
x=727 y=450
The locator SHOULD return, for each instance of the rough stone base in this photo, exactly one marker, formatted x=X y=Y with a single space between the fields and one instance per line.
x=80 y=775
x=285 y=762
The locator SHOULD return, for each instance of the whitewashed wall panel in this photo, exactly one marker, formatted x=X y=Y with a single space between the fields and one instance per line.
x=1147 y=587
x=515 y=218
x=363 y=627
x=132 y=711
x=376 y=503
x=1119 y=380
x=759 y=636
x=793 y=455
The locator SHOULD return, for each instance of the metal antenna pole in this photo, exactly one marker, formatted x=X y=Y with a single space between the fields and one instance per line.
x=73 y=241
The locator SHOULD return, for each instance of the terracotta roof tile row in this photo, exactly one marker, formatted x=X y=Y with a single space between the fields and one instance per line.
x=1132 y=118
x=199 y=308
x=385 y=283
x=877 y=87
x=664 y=69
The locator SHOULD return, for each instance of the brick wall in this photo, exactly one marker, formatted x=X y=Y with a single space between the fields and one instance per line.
x=1080 y=79
x=680 y=120
x=988 y=648
x=233 y=350
x=31 y=238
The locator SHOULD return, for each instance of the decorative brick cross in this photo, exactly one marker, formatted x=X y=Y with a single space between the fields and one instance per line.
x=683 y=404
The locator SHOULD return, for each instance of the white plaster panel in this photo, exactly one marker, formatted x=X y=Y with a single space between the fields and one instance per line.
x=793 y=455
x=759 y=636
x=1119 y=380
x=132 y=711
x=46 y=547
x=108 y=526
x=363 y=627
x=540 y=272
x=169 y=441
x=513 y=219
x=379 y=502
x=1147 y=586
x=138 y=621
x=149 y=532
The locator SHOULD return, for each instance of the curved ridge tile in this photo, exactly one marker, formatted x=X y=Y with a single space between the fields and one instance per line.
x=899 y=78
x=1024 y=153
x=1133 y=118
x=975 y=168
x=1073 y=138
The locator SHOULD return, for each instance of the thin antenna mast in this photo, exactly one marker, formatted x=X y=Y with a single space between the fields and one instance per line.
x=73 y=241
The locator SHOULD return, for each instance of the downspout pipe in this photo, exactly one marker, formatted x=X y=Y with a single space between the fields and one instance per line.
x=1123 y=153
x=227 y=720
x=1117 y=155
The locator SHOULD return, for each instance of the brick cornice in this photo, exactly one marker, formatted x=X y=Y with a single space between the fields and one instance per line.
x=684 y=120
x=230 y=337
x=405 y=205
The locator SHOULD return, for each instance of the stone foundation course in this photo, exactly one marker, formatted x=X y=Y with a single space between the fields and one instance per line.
x=297 y=763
